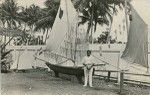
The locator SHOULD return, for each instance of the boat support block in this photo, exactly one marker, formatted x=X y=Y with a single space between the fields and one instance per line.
x=56 y=74
x=79 y=78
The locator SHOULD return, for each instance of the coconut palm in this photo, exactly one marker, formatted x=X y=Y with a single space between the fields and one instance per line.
x=47 y=19
x=9 y=18
x=97 y=12
x=30 y=15
x=9 y=14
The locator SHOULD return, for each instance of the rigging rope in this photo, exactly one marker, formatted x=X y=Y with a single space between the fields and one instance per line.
x=105 y=62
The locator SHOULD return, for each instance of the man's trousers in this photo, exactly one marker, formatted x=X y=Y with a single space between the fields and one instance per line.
x=88 y=76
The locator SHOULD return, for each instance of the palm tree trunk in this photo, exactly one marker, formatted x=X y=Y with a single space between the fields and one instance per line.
x=5 y=44
x=91 y=40
x=88 y=31
x=9 y=39
x=46 y=36
x=4 y=39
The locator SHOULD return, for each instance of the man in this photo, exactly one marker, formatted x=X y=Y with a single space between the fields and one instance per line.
x=88 y=68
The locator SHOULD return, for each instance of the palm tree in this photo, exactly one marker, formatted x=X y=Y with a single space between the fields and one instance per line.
x=30 y=15
x=103 y=37
x=47 y=19
x=11 y=22
x=9 y=15
x=97 y=12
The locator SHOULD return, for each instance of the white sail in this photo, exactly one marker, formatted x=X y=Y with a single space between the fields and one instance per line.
x=62 y=25
x=136 y=50
x=65 y=35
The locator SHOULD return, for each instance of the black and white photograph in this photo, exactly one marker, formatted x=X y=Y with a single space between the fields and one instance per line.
x=75 y=47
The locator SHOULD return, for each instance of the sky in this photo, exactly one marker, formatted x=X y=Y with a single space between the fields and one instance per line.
x=29 y=2
x=141 y=6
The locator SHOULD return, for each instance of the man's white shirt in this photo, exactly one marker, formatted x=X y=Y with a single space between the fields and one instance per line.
x=88 y=60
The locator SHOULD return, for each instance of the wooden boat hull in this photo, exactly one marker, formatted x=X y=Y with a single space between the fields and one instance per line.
x=77 y=71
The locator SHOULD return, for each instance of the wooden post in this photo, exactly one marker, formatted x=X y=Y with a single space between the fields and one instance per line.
x=108 y=78
x=0 y=56
x=147 y=69
x=56 y=74
x=0 y=63
x=79 y=78
x=121 y=81
x=118 y=65
x=100 y=50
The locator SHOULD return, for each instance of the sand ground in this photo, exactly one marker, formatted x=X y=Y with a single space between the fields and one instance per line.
x=44 y=83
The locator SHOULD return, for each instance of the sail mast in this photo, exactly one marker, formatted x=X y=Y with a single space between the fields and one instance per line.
x=110 y=27
x=67 y=14
x=75 y=51
x=127 y=27
x=147 y=51
x=126 y=18
x=67 y=34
